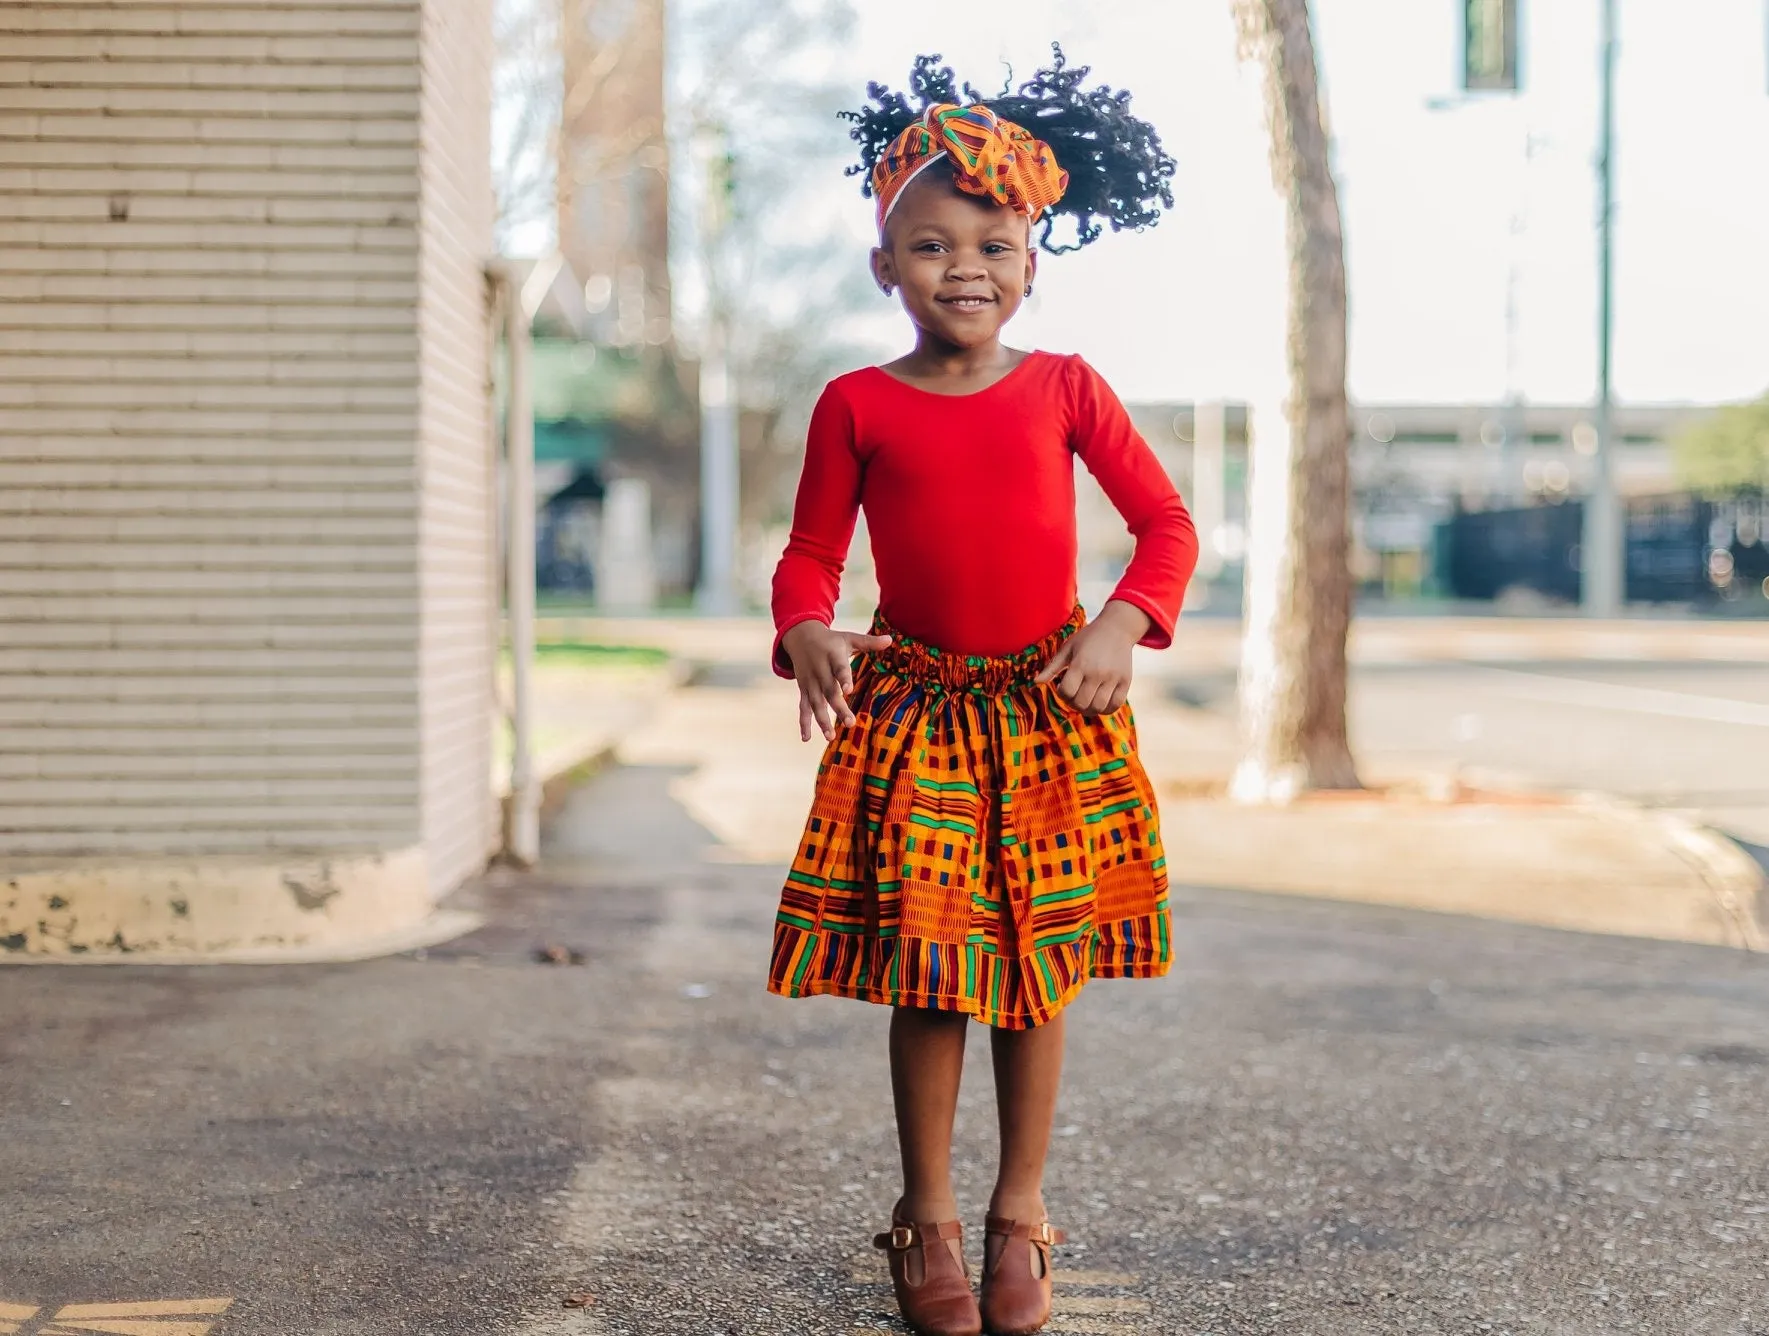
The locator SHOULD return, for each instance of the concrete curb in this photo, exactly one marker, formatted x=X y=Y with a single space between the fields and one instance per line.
x=1738 y=884
x=164 y=910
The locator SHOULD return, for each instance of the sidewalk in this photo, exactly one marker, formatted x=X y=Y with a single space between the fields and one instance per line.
x=1578 y=862
x=580 y=714
x=1214 y=642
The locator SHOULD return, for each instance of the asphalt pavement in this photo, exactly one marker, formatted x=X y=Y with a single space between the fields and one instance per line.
x=1332 y=1118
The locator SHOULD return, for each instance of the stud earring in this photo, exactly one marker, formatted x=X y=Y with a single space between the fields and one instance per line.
x=1028 y=289
x=885 y=288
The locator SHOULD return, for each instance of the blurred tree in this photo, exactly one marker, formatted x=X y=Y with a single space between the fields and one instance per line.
x=1726 y=453
x=525 y=120
x=753 y=86
x=755 y=92
x=1299 y=581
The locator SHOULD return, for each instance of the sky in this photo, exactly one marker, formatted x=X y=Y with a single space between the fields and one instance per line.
x=1448 y=200
x=1470 y=221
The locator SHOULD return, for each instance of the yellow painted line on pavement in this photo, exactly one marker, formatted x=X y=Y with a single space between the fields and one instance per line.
x=118 y=1326
x=1059 y=1326
x=145 y=1308
x=1071 y=1314
x=139 y=1317
x=1075 y=1305
x=1065 y=1280
x=1086 y=1279
x=18 y=1312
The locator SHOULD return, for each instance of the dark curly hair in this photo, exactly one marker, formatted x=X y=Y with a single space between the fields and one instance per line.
x=1118 y=171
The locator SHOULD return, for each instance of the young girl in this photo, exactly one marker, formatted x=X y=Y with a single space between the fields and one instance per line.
x=983 y=839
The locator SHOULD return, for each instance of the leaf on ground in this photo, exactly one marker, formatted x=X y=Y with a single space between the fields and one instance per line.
x=554 y=954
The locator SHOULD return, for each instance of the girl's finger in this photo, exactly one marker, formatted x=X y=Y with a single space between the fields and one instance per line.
x=865 y=642
x=1074 y=682
x=825 y=722
x=838 y=704
x=1119 y=696
x=1058 y=662
x=841 y=683
x=806 y=719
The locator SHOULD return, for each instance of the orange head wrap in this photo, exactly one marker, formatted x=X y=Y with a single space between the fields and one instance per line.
x=993 y=158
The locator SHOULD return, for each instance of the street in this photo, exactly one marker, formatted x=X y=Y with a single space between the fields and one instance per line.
x=1690 y=736
x=1332 y=1118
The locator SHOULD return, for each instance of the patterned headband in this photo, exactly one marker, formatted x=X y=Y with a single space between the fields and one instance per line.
x=990 y=157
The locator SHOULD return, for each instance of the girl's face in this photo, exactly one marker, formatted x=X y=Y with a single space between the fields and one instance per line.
x=962 y=263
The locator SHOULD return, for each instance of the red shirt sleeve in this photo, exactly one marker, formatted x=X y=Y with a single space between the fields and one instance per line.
x=808 y=579
x=1133 y=479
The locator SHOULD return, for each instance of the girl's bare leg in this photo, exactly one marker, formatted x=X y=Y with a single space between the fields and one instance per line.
x=1028 y=1070
x=927 y=1062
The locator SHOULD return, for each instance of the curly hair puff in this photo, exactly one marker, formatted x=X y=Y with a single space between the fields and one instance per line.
x=1118 y=171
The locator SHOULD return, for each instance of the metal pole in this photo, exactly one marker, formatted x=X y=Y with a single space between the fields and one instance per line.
x=1603 y=537
x=718 y=478
x=1209 y=483
x=720 y=498
x=524 y=837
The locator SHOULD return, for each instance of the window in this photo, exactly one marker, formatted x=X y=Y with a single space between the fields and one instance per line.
x=1490 y=45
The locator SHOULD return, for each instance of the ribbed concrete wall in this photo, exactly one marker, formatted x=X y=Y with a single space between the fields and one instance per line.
x=457 y=536
x=241 y=407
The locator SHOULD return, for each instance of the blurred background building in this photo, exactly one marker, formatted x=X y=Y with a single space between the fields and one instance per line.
x=1466 y=502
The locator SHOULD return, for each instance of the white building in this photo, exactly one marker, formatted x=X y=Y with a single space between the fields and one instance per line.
x=246 y=468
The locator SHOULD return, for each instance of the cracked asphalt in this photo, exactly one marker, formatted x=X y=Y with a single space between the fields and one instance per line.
x=1330 y=1119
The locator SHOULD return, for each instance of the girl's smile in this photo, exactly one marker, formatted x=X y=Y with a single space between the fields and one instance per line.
x=962 y=263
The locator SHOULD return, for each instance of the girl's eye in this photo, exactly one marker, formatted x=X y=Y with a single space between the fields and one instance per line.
x=995 y=248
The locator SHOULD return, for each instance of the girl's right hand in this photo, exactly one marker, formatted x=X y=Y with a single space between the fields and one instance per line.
x=822 y=661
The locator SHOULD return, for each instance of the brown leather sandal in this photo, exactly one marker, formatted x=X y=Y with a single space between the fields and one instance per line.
x=933 y=1291
x=1016 y=1285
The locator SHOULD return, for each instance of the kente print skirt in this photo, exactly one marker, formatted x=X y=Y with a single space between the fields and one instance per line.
x=975 y=844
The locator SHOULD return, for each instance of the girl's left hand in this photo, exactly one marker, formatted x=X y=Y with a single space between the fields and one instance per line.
x=1094 y=663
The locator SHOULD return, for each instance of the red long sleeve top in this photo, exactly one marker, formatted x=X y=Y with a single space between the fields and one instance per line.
x=970 y=503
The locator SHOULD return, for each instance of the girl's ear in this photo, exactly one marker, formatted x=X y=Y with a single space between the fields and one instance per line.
x=1031 y=264
x=884 y=273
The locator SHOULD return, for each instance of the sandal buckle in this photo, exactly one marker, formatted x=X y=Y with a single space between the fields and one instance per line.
x=1044 y=1234
x=902 y=1238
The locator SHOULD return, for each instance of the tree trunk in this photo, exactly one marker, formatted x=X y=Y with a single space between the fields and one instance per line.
x=1299 y=592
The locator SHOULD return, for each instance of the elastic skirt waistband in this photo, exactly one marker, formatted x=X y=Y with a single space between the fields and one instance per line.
x=992 y=675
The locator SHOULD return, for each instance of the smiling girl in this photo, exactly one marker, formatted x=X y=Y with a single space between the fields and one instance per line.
x=983 y=839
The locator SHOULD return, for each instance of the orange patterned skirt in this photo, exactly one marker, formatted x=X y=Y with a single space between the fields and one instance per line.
x=975 y=844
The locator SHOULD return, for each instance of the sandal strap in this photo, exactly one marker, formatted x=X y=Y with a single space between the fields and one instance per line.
x=906 y=1234
x=1042 y=1233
